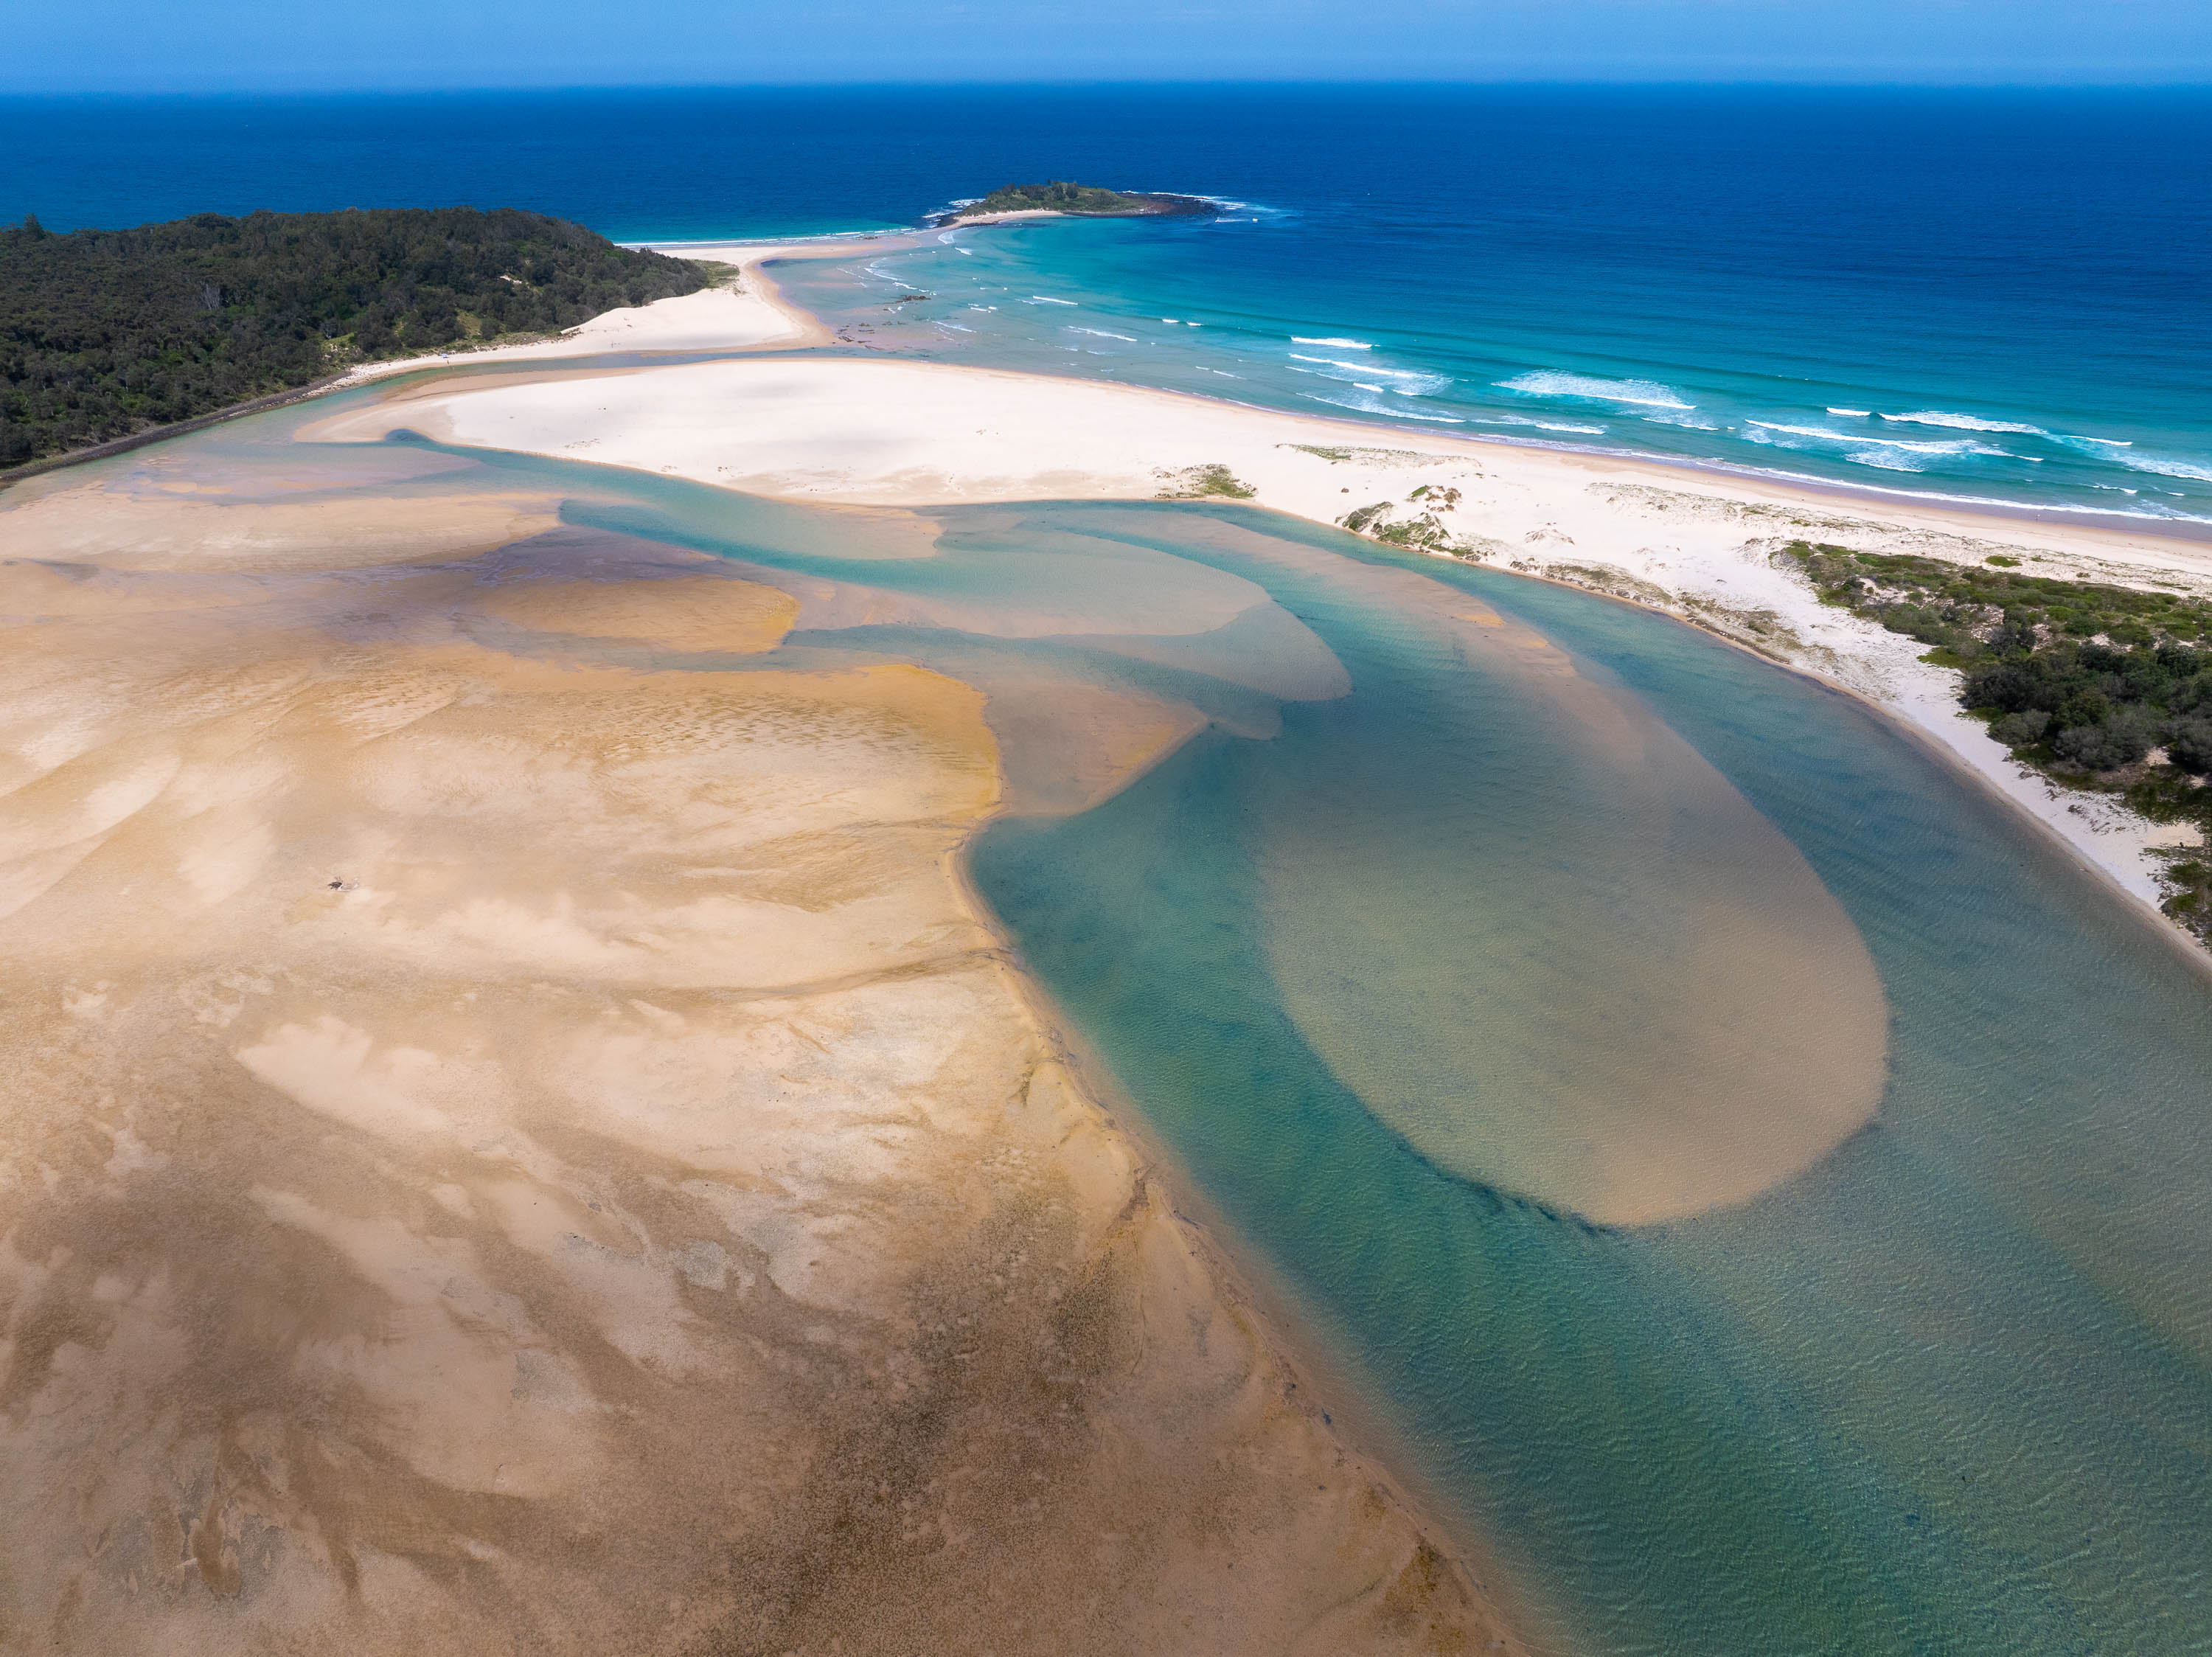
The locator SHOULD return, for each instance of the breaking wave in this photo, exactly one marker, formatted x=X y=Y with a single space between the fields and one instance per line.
x=1551 y=382
x=1541 y=425
x=1962 y=423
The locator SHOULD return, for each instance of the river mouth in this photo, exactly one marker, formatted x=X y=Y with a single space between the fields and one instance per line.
x=1772 y=1394
x=1789 y=1418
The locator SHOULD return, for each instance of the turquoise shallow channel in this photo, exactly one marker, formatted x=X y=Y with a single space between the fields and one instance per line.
x=1947 y=1392
x=1935 y=1376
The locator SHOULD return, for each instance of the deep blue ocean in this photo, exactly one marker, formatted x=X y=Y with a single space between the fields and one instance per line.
x=2000 y=294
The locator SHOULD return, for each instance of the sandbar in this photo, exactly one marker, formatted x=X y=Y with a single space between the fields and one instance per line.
x=516 y=1144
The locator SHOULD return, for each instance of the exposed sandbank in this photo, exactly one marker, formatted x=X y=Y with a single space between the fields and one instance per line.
x=516 y=1146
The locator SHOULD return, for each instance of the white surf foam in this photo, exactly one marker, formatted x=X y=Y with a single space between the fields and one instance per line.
x=1963 y=423
x=1101 y=333
x=1046 y=299
x=1956 y=446
x=1541 y=425
x=2165 y=467
x=1855 y=414
x=1552 y=382
x=1413 y=382
x=1341 y=344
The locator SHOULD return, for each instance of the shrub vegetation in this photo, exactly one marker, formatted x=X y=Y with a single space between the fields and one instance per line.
x=2098 y=686
x=1059 y=197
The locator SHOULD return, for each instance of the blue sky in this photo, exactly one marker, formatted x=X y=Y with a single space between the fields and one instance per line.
x=75 y=46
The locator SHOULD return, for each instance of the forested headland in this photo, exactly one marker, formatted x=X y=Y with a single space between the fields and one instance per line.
x=108 y=332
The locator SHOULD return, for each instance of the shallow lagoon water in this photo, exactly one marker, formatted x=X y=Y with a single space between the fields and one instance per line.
x=1947 y=1390
x=1944 y=1389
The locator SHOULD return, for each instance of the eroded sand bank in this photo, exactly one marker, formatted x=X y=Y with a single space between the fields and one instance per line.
x=515 y=1147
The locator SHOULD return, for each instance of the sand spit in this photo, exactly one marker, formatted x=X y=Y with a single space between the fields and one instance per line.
x=513 y=1147
x=1699 y=545
x=742 y=313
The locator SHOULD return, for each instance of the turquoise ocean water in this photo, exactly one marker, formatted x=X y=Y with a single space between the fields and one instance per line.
x=1950 y=1389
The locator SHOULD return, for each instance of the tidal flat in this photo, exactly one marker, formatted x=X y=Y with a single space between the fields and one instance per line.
x=519 y=1140
x=1697 y=1142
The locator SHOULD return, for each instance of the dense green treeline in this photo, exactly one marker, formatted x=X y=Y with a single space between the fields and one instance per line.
x=105 y=333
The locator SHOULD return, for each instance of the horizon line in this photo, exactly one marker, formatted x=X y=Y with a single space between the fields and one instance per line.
x=2201 y=82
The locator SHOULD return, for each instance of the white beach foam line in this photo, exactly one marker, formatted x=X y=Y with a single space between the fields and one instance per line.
x=1101 y=333
x=1855 y=414
x=1046 y=299
x=1341 y=344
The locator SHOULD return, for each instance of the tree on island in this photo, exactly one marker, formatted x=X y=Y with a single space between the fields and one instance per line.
x=1061 y=197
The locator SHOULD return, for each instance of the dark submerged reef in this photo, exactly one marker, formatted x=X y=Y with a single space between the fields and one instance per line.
x=104 y=333
x=2097 y=686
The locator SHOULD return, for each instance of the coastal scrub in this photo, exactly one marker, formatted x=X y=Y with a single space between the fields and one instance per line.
x=2096 y=687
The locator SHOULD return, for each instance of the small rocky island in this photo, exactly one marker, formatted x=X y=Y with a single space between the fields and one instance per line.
x=1087 y=200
